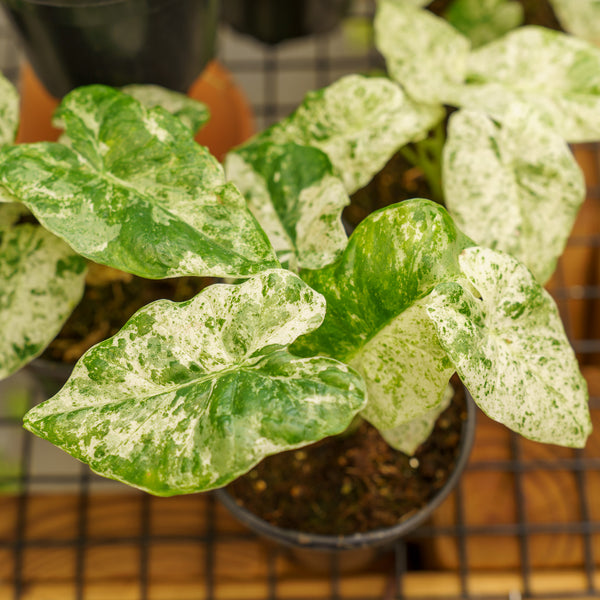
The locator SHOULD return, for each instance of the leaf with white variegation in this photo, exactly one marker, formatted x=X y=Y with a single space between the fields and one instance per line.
x=514 y=187
x=132 y=190
x=510 y=349
x=188 y=396
x=579 y=17
x=42 y=282
x=359 y=122
x=190 y=112
x=409 y=436
x=375 y=318
x=558 y=75
x=423 y=52
x=483 y=21
x=9 y=111
x=294 y=194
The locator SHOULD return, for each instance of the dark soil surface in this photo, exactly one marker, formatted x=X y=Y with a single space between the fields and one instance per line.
x=344 y=485
x=109 y=300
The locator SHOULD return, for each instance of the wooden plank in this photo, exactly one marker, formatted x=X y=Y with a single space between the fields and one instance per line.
x=415 y=585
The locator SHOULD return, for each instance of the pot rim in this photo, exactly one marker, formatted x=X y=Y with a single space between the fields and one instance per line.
x=377 y=537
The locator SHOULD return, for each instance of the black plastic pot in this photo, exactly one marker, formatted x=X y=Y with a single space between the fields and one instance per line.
x=272 y=21
x=77 y=42
x=348 y=552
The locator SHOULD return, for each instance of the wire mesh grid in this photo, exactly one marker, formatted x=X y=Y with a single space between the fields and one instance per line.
x=523 y=522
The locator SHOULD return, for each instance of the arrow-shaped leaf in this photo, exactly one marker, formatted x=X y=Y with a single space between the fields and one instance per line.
x=423 y=52
x=375 y=318
x=510 y=349
x=135 y=192
x=514 y=187
x=42 y=282
x=558 y=75
x=188 y=396
x=294 y=194
x=359 y=122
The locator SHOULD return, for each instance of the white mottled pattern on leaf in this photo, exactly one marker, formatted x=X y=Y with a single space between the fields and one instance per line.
x=510 y=349
x=558 y=75
x=359 y=122
x=192 y=113
x=422 y=51
x=514 y=187
x=255 y=190
x=188 y=396
x=483 y=21
x=394 y=258
x=295 y=196
x=43 y=281
x=132 y=190
x=579 y=17
x=405 y=369
x=409 y=436
x=9 y=111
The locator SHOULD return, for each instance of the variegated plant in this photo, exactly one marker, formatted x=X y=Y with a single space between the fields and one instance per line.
x=313 y=328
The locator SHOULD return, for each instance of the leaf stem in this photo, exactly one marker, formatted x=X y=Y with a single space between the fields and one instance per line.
x=427 y=155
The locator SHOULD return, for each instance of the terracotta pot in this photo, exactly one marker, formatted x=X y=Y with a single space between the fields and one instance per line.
x=349 y=552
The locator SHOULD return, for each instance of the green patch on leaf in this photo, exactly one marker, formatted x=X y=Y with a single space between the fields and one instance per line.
x=188 y=396
x=375 y=319
x=42 y=283
x=294 y=194
x=132 y=190
x=359 y=122
x=483 y=21
x=514 y=187
x=510 y=349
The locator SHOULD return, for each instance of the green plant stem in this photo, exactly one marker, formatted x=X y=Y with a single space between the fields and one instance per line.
x=427 y=155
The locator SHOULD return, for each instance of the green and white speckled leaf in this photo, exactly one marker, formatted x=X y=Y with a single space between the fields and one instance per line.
x=514 y=187
x=409 y=436
x=188 y=396
x=294 y=194
x=423 y=52
x=557 y=74
x=42 y=282
x=190 y=112
x=579 y=17
x=132 y=190
x=359 y=122
x=483 y=21
x=510 y=349
x=9 y=111
x=375 y=320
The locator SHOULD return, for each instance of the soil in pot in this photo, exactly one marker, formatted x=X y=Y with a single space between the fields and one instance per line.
x=352 y=484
